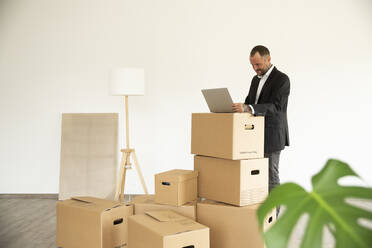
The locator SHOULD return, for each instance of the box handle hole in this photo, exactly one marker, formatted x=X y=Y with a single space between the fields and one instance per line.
x=255 y=172
x=165 y=183
x=189 y=246
x=248 y=126
x=118 y=221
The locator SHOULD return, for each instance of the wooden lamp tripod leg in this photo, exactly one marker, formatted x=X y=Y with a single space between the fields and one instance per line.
x=138 y=168
x=119 y=193
x=125 y=162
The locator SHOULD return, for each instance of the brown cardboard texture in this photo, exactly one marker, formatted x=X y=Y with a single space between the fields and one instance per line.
x=145 y=203
x=89 y=152
x=237 y=182
x=176 y=187
x=166 y=229
x=227 y=135
x=232 y=226
x=84 y=222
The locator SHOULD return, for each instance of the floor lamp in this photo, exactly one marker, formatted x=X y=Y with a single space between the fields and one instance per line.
x=127 y=82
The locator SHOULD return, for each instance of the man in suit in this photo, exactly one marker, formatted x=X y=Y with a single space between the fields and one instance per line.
x=268 y=96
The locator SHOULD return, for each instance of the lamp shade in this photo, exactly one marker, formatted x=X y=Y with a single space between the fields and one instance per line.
x=127 y=82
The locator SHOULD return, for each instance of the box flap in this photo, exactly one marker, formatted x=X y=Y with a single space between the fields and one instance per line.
x=143 y=199
x=83 y=199
x=164 y=216
x=177 y=175
x=166 y=222
x=95 y=204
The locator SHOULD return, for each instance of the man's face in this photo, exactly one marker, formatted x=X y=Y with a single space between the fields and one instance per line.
x=260 y=63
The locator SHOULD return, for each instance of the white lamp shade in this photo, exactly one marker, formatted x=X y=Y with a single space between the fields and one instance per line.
x=127 y=82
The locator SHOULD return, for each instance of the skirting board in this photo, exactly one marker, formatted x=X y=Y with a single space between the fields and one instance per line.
x=29 y=196
x=45 y=196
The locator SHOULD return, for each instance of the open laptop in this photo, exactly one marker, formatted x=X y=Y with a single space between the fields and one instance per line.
x=218 y=100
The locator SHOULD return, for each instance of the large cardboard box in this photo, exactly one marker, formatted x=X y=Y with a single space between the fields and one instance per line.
x=176 y=187
x=145 y=203
x=166 y=229
x=238 y=182
x=87 y=222
x=232 y=226
x=227 y=135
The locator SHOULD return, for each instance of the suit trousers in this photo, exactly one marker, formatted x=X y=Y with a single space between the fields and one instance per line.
x=273 y=171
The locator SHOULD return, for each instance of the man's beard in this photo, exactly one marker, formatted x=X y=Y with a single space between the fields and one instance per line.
x=263 y=71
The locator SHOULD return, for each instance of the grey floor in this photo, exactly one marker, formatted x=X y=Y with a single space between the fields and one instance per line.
x=27 y=223
x=31 y=223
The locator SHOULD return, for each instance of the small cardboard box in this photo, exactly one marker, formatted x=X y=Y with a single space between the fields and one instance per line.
x=176 y=187
x=237 y=182
x=232 y=226
x=145 y=203
x=227 y=135
x=166 y=229
x=88 y=222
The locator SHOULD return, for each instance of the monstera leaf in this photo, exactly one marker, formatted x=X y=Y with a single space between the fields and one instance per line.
x=326 y=207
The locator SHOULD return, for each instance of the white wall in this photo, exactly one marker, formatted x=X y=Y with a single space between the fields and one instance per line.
x=55 y=57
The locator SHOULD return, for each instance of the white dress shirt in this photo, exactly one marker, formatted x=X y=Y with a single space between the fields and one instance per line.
x=263 y=79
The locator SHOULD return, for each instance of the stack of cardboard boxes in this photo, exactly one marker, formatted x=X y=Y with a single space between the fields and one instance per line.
x=164 y=220
x=167 y=220
x=230 y=176
x=233 y=177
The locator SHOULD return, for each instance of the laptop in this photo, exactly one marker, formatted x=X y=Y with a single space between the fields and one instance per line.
x=218 y=100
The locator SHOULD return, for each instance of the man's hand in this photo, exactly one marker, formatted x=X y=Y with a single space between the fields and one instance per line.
x=238 y=107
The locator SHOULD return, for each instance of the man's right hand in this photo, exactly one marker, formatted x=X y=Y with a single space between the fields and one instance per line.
x=238 y=107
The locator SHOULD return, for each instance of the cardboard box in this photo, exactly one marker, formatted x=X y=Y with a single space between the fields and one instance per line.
x=176 y=187
x=87 y=222
x=145 y=203
x=166 y=229
x=232 y=226
x=227 y=135
x=238 y=182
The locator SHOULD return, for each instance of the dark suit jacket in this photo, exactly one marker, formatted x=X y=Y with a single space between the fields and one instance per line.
x=272 y=103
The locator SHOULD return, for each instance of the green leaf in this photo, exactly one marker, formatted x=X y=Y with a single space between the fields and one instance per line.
x=325 y=206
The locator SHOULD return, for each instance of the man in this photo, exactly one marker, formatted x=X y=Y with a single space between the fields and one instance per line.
x=268 y=96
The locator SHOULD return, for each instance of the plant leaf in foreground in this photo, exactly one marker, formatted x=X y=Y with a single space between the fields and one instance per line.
x=326 y=207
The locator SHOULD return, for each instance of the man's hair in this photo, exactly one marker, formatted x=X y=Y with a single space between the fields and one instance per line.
x=263 y=51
